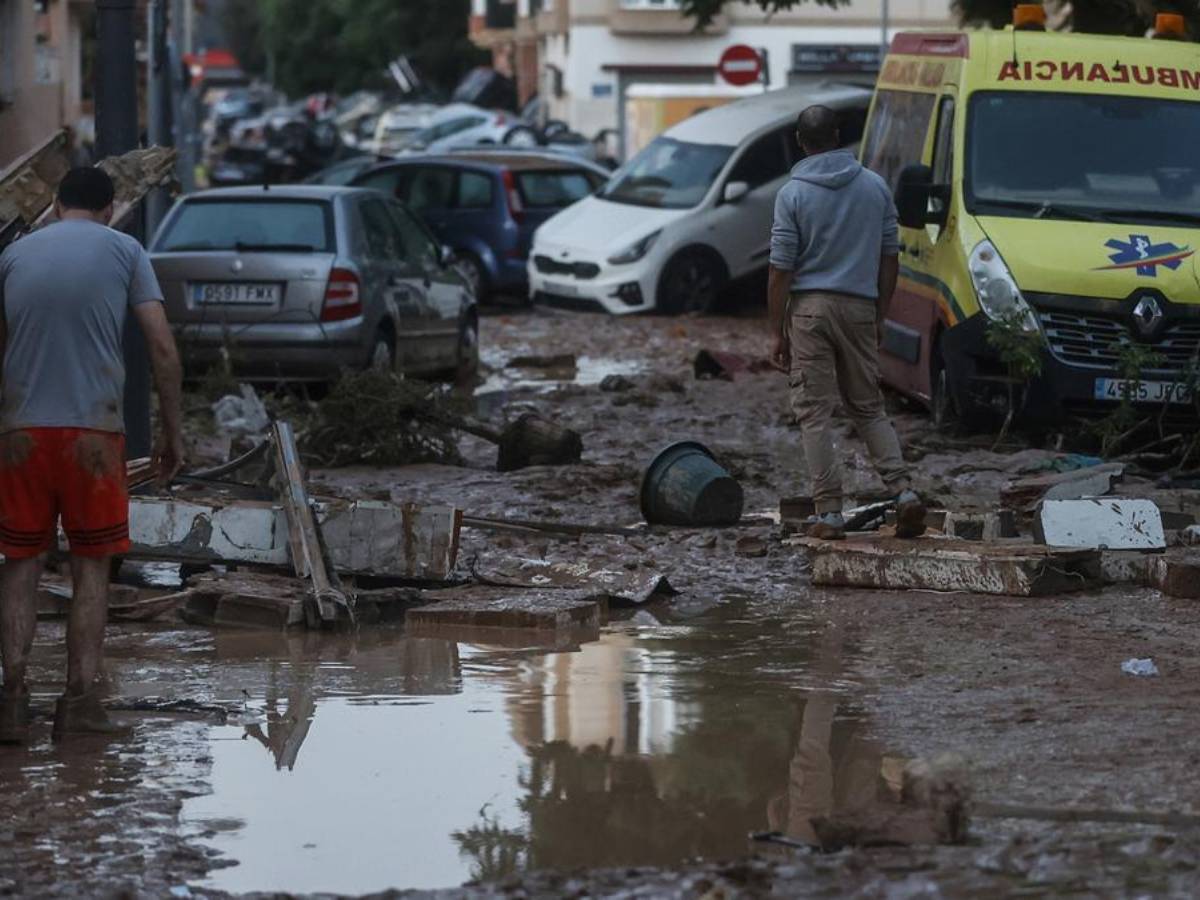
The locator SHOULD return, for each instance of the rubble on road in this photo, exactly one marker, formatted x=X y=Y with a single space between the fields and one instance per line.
x=1177 y=574
x=1013 y=568
x=618 y=586
x=1090 y=481
x=727 y=366
x=242 y=414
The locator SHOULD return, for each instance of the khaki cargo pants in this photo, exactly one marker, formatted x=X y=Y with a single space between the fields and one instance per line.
x=834 y=357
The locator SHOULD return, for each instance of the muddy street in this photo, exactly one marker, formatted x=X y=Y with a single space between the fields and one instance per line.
x=685 y=748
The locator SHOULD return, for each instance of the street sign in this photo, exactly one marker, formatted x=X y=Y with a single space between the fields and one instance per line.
x=740 y=65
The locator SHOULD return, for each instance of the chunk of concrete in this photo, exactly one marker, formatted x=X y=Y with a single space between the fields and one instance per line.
x=1126 y=566
x=1113 y=523
x=1177 y=574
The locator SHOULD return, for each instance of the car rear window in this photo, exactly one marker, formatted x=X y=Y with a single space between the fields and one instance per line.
x=554 y=188
x=250 y=224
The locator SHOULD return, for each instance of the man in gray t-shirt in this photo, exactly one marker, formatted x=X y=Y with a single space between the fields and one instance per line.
x=65 y=293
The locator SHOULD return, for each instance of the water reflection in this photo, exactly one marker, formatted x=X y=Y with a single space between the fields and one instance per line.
x=404 y=762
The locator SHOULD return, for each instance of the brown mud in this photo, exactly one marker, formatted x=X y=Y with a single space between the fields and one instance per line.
x=640 y=762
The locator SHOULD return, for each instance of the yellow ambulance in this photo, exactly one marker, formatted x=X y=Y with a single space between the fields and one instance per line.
x=1048 y=180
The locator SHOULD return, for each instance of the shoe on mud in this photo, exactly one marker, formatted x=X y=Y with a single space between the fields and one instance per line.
x=14 y=718
x=826 y=527
x=83 y=714
x=910 y=515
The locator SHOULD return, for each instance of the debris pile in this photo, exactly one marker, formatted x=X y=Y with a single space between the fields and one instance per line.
x=378 y=418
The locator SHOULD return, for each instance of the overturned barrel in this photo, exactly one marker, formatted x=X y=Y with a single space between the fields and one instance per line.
x=685 y=485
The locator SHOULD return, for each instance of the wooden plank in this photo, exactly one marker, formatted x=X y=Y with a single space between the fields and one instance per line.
x=1009 y=568
x=307 y=559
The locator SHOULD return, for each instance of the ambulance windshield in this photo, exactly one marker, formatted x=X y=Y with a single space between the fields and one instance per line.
x=1083 y=157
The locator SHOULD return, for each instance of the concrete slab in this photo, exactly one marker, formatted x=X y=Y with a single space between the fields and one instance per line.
x=1014 y=568
x=1114 y=523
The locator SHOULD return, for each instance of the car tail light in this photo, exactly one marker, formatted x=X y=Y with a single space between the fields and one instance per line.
x=515 y=207
x=343 y=297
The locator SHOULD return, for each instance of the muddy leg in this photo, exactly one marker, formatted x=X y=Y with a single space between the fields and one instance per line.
x=18 y=619
x=85 y=627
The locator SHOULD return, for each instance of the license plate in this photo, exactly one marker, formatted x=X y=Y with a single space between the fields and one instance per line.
x=1142 y=391
x=241 y=293
x=563 y=290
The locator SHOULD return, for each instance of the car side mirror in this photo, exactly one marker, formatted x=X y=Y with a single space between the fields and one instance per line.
x=735 y=191
x=913 y=190
x=447 y=255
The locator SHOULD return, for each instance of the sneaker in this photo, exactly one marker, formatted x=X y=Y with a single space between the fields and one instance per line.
x=826 y=527
x=910 y=515
x=14 y=718
x=83 y=714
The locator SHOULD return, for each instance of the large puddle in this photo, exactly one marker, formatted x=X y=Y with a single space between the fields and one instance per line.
x=383 y=761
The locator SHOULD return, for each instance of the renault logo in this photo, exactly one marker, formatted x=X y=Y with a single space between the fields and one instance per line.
x=237 y=265
x=1147 y=316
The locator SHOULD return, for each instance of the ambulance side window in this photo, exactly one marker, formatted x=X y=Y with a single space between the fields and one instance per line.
x=896 y=133
x=943 y=148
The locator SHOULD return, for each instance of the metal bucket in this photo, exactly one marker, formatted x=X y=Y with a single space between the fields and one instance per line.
x=685 y=485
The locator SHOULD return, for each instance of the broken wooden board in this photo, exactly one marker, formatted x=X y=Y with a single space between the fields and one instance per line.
x=942 y=564
x=1113 y=523
x=27 y=187
x=304 y=539
x=364 y=537
x=505 y=608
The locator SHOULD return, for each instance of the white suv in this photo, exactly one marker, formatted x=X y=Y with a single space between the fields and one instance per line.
x=688 y=213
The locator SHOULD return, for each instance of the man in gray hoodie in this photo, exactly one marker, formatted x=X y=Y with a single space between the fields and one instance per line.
x=834 y=265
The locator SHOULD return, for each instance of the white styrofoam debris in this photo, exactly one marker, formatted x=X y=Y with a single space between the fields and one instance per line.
x=1113 y=523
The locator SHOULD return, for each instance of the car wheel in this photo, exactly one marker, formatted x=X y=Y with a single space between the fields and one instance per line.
x=690 y=283
x=471 y=269
x=383 y=353
x=468 y=352
x=521 y=136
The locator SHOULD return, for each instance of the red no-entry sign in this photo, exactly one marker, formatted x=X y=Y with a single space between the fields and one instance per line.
x=740 y=65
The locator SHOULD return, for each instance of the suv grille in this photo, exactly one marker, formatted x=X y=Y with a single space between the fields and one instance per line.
x=581 y=270
x=1089 y=339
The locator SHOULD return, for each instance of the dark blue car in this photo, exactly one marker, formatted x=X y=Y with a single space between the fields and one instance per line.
x=486 y=205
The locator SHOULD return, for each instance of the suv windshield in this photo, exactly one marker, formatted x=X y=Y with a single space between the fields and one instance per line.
x=668 y=173
x=236 y=224
x=1084 y=157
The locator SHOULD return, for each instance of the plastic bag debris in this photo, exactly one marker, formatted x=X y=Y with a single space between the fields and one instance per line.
x=1142 y=667
x=242 y=415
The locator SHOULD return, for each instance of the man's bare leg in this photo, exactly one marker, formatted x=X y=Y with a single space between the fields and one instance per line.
x=79 y=710
x=18 y=622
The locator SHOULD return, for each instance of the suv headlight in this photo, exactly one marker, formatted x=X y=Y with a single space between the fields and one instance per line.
x=636 y=250
x=998 y=294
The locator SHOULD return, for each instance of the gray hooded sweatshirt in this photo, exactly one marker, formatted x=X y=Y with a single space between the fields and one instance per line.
x=833 y=220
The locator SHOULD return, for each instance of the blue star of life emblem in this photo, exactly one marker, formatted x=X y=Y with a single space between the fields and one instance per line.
x=1145 y=256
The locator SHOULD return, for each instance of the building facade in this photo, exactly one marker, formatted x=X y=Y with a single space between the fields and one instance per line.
x=583 y=56
x=41 y=72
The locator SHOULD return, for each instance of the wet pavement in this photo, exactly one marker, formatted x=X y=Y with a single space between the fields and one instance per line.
x=749 y=703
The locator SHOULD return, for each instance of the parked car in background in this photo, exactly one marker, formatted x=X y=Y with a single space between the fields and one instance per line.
x=688 y=213
x=397 y=128
x=461 y=125
x=486 y=205
x=298 y=283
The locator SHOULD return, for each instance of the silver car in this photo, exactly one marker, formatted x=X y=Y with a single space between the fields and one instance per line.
x=298 y=283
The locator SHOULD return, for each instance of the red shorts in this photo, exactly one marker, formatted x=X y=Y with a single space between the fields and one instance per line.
x=72 y=473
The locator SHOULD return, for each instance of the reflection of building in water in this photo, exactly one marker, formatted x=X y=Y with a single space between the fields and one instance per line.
x=611 y=693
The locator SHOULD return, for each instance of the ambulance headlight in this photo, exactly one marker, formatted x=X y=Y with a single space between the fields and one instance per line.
x=999 y=296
